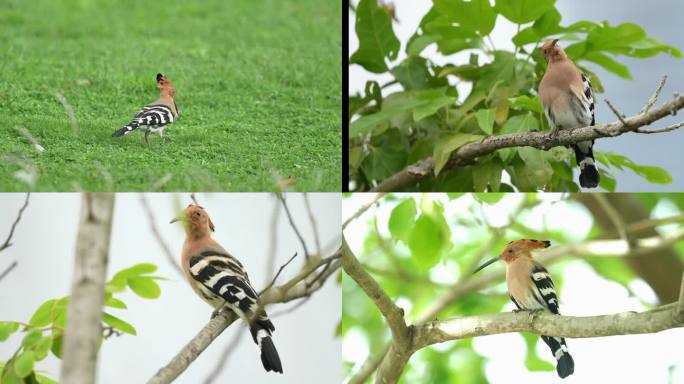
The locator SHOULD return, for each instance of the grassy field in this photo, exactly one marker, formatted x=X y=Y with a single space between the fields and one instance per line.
x=258 y=86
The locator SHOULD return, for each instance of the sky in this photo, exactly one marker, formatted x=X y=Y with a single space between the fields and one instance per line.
x=44 y=244
x=663 y=150
x=616 y=359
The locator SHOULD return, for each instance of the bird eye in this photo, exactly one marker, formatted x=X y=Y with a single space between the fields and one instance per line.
x=197 y=214
x=510 y=251
x=544 y=51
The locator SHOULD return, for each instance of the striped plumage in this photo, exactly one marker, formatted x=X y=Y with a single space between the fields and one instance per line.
x=567 y=98
x=531 y=288
x=157 y=115
x=220 y=279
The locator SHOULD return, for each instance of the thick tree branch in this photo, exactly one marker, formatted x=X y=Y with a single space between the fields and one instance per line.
x=544 y=323
x=302 y=285
x=390 y=311
x=468 y=153
x=83 y=332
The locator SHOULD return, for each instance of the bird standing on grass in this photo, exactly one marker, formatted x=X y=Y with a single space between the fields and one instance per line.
x=531 y=288
x=568 y=102
x=221 y=280
x=157 y=115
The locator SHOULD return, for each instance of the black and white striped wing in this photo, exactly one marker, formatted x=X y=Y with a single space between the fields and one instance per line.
x=221 y=278
x=588 y=99
x=154 y=116
x=544 y=290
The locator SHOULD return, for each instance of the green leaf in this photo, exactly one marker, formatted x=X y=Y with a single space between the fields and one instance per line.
x=23 y=364
x=521 y=123
x=607 y=182
x=32 y=338
x=43 y=315
x=488 y=172
x=115 y=303
x=369 y=123
x=532 y=360
x=387 y=155
x=526 y=102
x=144 y=287
x=402 y=219
x=539 y=171
x=412 y=73
x=446 y=146
x=118 y=324
x=43 y=347
x=57 y=340
x=606 y=37
x=523 y=11
x=489 y=198
x=9 y=376
x=476 y=15
x=652 y=174
x=485 y=119
x=419 y=42
x=428 y=239
x=7 y=328
x=608 y=63
x=431 y=105
x=377 y=41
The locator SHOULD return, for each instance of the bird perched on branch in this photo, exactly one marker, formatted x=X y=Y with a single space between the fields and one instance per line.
x=531 y=288
x=568 y=102
x=221 y=280
x=155 y=116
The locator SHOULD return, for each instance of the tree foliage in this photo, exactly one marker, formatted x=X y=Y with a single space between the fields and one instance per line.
x=471 y=229
x=44 y=332
x=427 y=117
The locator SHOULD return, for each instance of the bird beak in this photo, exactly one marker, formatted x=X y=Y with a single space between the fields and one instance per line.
x=553 y=44
x=177 y=219
x=491 y=261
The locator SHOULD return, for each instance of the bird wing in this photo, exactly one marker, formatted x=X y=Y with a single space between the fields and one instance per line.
x=584 y=97
x=220 y=278
x=153 y=116
x=544 y=291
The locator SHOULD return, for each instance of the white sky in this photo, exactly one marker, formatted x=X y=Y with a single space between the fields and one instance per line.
x=628 y=95
x=615 y=359
x=44 y=247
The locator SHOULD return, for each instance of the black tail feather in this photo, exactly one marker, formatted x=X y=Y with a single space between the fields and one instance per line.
x=566 y=365
x=589 y=176
x=122 y=131
x=269 y=356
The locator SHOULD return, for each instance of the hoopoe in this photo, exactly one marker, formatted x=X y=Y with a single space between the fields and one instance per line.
x=220 y=279
x=157 y=115
x=531 y=288
x=568 y=102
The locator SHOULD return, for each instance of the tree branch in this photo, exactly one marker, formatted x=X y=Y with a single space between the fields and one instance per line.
x=363 y=209
x=390 y=311
x=155 y=231
x=296 y=288
x=83 y=332
x=545 y=323
x=7 y=242
x=680 y=303
x=468 y=153
x=292 y=224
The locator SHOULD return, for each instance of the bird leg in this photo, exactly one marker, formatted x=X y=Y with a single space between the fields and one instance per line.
x=146 y=141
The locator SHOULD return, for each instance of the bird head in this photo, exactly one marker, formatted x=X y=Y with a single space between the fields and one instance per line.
x=552 y=51
x=516 y=249
x=165 y=85
x=195 y=220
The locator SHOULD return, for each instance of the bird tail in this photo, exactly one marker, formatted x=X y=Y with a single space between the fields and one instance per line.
x=261 y=331
x=566 y=365
x=589 y=176
x=126 y=129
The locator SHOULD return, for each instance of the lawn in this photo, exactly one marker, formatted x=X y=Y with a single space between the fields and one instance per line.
x=258 y=85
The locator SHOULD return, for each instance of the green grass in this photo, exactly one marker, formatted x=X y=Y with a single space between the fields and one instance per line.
x=258 y=85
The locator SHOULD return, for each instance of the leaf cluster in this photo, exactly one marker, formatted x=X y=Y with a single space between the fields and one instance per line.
x=428 y=117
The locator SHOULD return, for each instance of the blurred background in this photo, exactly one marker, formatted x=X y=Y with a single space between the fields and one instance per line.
x=44 y=244
x=421 y=247
x=658 y=20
